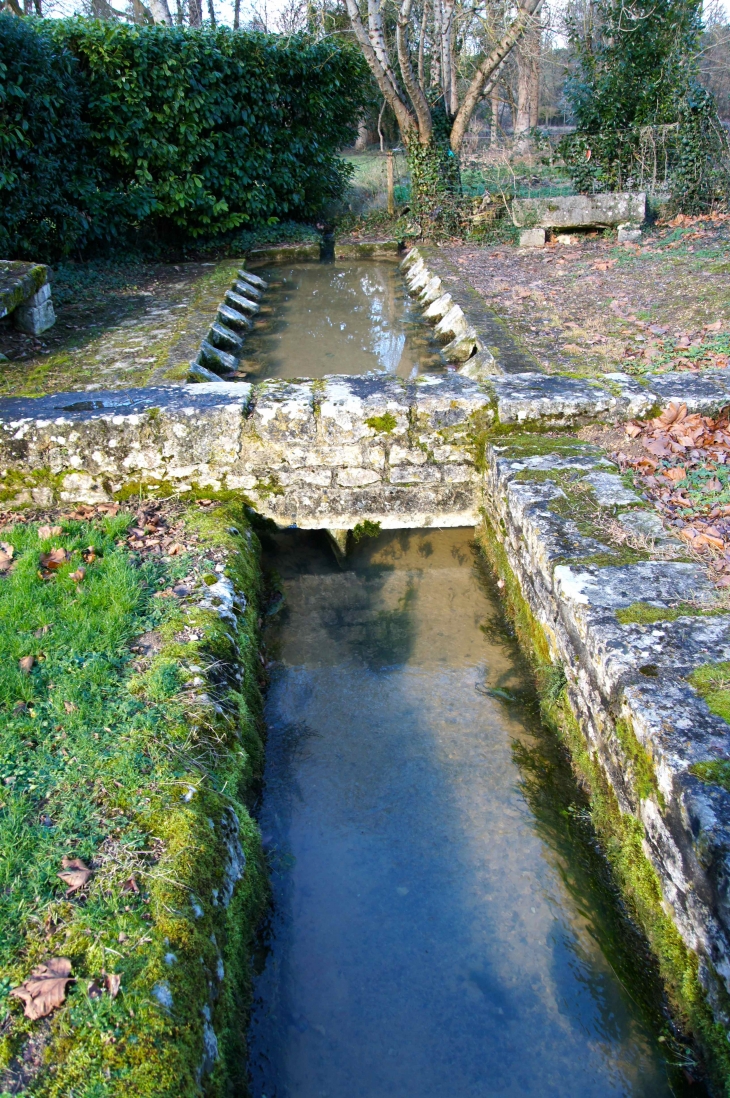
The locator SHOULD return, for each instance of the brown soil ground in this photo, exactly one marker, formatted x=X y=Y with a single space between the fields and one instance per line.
x=598 y=307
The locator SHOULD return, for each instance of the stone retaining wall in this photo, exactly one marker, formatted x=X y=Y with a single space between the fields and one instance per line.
x=627 y=682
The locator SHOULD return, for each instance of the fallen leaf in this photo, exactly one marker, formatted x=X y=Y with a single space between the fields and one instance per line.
x=714 y=327
x=7 y=552
x=572 y=348
x=204 y=502
x=41 y=632
x=130 y=885
x=112 y=981
x=49 y=532
x=633 y=430
x=713 y=485
x=69 y=707
x=94 y=991
x=89 y=555
x=78 y=575
x=76 y=874
x=675 y=474
x=175 y=549
x=55 y=559
x=26 y=664
x=45 y=988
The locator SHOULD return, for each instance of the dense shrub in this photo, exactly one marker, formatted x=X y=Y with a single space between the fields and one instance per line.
x=643 y=120
x=108 y=130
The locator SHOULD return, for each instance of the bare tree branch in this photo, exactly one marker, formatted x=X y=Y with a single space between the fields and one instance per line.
x=404 y=116
x=488 y=66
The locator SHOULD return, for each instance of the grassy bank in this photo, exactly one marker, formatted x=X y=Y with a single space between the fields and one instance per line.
x=131 y=742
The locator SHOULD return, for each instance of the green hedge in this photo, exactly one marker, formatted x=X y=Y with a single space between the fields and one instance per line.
x=110 y=131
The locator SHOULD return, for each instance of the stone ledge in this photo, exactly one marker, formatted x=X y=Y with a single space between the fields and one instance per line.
x=25 y=292
x=636 y=672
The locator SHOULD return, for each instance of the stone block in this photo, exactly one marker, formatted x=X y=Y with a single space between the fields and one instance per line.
x=18 y=282
x=232 y=318
x=220 y=362
x=462 y=347
x=629 y=234
x=35 y=319
x=242 y=304
x=253 y=279
x=580 y=211
x=198 y=374
x=225 y=339
x=253 y=293
x=532 y=238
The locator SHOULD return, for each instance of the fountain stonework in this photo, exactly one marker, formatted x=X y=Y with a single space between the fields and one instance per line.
x=455 y=450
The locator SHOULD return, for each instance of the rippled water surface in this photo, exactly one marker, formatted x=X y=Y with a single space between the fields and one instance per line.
x=440 y=928
x=345 y=317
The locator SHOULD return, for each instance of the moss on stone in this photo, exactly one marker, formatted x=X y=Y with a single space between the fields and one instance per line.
x=643 y=777
x=643 y=613
x=384 y=425
x=713 y=773
x=712 y=682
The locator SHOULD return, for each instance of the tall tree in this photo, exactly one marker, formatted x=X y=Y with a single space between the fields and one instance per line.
x=433 y=121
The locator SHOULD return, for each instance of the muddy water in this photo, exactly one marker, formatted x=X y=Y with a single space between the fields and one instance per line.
x=442 y=926
x=339 y=318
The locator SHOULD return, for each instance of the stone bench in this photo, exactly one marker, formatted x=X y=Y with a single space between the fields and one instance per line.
x=535 y=216
x=26 y=293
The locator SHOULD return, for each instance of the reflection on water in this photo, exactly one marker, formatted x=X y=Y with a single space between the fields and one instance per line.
x=440 y=927
x=339 y=318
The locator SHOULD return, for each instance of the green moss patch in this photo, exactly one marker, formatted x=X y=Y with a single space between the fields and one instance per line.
x=132 y=743
x=712 y=682
x=714 y=773
x=384 y=424
x=644 y=613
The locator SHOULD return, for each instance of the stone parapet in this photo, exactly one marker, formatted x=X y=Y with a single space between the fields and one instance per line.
x=579 y=211
x=555 y=516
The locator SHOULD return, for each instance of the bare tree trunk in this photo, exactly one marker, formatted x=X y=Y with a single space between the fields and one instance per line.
x=236 y=14
x=160 y=11
x=380 y=132
x=528 y=84
x=38 y=8
x=195 y=13
x=211 y=12
x=447 y=53
x=436 y=48
x=494 y=128
x=363 y=136
x=422 y=48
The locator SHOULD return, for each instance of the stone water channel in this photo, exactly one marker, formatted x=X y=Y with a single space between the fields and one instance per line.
x=442 y=924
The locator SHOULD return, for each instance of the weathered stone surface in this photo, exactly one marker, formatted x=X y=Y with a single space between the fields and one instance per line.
x=198 y=373
x=288 y=253
x=367 y=249
x=220 y=362
x=225 y=339
x=532 y=238
x=579 y=211
x=316 y=455
x=240 y=303
x=18 y=282
x=253 y=279
x=232 y=318
x=636 y=672
x=35 y=319
x=628 y=234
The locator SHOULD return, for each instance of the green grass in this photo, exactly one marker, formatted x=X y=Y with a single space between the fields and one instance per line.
x=135 y=773
x=712 y=682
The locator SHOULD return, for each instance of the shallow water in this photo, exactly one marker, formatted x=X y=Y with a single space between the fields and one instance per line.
x=339 y=318
x=442 y=926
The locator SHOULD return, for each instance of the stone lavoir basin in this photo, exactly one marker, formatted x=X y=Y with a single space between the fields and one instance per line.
x=349 y=316
x=442 y=925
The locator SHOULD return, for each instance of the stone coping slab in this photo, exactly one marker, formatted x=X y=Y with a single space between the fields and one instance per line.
x=18 y=282
x=579 y=211
x=627 y=680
